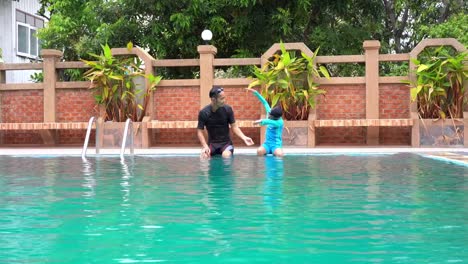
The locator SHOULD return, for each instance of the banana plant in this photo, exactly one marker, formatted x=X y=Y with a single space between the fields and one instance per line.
x=288 y=80
x=113 y=84
x=439 y=88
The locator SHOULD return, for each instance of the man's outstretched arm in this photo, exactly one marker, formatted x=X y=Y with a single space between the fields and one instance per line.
x=248 y=141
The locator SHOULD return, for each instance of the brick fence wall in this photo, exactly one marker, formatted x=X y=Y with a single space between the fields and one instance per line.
x=371 y=96
x=182 y=103
x=74 y=106
x=171 y=104
x=342 y=102
x=393 y=102
x=21 y=106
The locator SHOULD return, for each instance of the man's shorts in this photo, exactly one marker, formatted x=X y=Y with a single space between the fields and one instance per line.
x=270 y=148
x=219 y=148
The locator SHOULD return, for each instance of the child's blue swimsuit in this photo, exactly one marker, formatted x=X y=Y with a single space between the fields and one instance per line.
x=274 y=130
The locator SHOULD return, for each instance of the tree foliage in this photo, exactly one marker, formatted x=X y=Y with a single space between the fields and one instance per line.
x=241 y=28
x=405 y=20
x=455 y=27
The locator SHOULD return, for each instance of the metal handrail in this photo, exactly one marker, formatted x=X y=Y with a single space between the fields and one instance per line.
x=124 y=138
x=88 y=133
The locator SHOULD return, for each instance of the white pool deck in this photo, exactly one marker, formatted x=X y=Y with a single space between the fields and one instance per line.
x=452 y=155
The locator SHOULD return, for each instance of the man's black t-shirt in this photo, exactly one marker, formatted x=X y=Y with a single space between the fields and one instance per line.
x=217 y=123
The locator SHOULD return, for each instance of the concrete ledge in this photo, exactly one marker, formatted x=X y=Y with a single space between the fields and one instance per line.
x=45 y=125
x=364 y=122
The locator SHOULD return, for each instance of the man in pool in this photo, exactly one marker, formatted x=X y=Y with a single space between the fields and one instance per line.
x=216 y=117
x=274 y=133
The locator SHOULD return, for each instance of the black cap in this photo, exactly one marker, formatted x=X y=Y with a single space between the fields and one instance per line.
x=276 y=112
x=215 y=91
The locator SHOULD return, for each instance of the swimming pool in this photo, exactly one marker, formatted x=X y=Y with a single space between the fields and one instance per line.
x=400 y=208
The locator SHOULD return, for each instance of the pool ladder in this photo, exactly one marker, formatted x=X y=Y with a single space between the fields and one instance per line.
x=128 y=130
x=88 y=133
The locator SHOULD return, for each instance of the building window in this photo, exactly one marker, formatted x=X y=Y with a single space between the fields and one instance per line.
x=27 y=43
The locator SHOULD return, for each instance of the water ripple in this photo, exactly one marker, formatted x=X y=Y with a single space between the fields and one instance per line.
x=302 y=209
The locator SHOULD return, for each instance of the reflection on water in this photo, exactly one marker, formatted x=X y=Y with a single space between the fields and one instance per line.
x=274 y=173
x=302 y=209
x=218 y=201
x=127 y=168
x=89 y=181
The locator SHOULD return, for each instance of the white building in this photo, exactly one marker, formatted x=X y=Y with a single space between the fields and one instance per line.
x=18 y=25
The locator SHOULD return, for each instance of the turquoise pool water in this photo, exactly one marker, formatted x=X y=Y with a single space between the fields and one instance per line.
x=400 y=208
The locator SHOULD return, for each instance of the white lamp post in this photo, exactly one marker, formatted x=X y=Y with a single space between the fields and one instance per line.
x=206 y=35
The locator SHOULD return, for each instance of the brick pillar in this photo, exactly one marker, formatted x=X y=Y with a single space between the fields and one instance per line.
x=207 y=53
x=371 y=48
x=50 y=78
x=2 y=81
x=2 y=76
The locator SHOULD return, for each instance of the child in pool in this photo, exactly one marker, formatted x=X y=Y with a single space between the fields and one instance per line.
x=273 y=137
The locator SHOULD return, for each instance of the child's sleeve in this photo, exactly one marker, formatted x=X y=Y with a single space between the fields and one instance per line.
x=271 y=122
x=263 y=101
